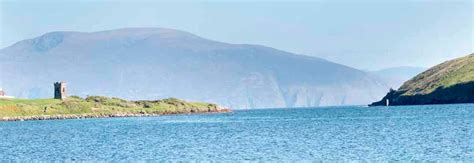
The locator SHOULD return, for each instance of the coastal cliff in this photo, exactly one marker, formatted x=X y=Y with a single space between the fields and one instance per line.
x=97 y=107
x=447 y=83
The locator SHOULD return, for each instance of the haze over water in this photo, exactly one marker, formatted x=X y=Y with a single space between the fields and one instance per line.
x=435 y=132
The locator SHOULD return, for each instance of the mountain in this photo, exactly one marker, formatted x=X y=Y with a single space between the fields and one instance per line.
x=448 y=82
x=152 y=63
x=396 y=76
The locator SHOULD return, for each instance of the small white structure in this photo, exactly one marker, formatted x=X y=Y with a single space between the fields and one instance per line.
x=3 y=95
x=387 y=102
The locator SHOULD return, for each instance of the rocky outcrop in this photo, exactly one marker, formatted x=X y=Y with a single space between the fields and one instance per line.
x=460 y=93
x=447 y=83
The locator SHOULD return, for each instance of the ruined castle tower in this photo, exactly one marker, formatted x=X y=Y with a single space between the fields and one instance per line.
x=60 y=90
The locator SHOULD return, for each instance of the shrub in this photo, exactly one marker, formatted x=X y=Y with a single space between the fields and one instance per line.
x=76 y=97
x=110 y=101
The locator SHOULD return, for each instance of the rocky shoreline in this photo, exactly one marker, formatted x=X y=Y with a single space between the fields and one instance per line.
x=87 y=116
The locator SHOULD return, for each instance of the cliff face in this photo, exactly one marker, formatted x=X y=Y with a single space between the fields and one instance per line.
x=155 y=63
x=446 y=83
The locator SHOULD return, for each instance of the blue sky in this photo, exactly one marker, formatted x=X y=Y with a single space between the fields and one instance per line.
x=365 y=34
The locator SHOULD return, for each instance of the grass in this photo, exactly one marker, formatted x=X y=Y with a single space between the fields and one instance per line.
x=447 y=74
x=98 y=105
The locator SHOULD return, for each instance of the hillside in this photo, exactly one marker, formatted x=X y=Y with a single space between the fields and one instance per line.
x=97 y=107
x=155 y=63
x=448 y=82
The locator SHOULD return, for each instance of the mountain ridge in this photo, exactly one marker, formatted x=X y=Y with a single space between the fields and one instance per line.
x=150 y=66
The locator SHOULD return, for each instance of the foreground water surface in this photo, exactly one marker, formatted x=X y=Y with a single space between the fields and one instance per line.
x=436 y=132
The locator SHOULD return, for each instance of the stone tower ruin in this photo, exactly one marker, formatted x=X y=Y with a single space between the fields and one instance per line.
x=60 y=90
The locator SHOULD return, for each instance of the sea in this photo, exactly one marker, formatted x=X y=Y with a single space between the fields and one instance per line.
x=350 y=133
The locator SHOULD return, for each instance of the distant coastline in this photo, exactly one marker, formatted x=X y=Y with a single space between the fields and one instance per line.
x=98 y=107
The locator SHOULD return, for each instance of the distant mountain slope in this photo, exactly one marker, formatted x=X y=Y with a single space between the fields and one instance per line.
x=151 y=63
x=448 y=82
x=396 y=76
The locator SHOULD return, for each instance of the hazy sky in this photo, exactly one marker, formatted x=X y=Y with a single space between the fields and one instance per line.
x=364 y=34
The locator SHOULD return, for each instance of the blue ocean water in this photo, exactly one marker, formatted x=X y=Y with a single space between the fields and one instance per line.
x=436 y=132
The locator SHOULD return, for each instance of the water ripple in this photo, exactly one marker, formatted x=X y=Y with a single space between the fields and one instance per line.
x=432 y=133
